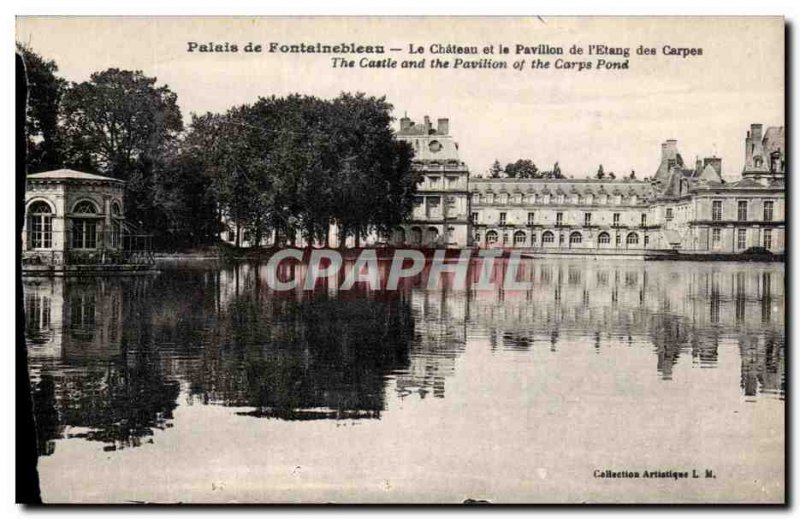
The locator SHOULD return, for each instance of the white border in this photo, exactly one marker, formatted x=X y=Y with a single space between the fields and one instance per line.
x=790 y=9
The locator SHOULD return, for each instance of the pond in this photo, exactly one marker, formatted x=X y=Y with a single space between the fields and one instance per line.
x=200 y=384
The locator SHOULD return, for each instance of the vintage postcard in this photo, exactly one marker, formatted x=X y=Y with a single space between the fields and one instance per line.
x=404 y=260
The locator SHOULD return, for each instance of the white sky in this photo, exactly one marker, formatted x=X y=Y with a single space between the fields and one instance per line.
x=581 y=119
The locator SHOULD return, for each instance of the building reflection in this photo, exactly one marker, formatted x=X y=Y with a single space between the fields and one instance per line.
x=109 y=357
x=93 y=377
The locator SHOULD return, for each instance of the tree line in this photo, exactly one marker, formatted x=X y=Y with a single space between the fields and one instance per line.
x=291 y=165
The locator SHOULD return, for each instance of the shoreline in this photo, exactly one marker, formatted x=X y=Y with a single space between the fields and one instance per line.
x=231 y=254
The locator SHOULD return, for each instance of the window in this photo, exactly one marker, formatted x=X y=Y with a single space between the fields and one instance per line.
x=531 y=218
x=505 y=238
x=646 y=241
x=618 y=240
x=40 y=226
x=416 y=235
x=116 y=226
x=84 y=233
x=668 y=215
x=519 y=238
x=616 y=218
x=775 y=165
x=644 y=220
x=767 y=239
x=502 y=218
x=115 y=234
x=533 y=239
x=433 y=205
x=575 y=238
x=474 y=217
x=741 y=213
x=85 y=207
x=587 y=219
x=632 y=239
x=491 y=237
x=547 y=237
x=716 y=210
x=604 y=238
x=559 y=218
x=768 y=208
x=419 y=200
x=716 y=237
x=84 y=230
x=741 y=238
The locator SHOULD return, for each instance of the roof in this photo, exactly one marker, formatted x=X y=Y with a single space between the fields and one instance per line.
x=582 y=186
x=70 y=174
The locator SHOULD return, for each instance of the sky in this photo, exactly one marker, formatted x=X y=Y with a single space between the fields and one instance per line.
x=580 y=119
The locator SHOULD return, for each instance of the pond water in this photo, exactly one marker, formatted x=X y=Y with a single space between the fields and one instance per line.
x=199 y=384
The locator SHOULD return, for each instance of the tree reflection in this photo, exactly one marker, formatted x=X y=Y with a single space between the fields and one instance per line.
x=317 y=357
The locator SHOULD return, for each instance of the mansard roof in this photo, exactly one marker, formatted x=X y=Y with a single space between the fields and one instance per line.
x=582 y=186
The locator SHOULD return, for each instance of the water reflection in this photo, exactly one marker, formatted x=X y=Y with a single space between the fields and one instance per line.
x=110 y=357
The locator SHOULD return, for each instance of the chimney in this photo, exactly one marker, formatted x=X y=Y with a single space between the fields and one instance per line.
x=443 y=126
x=669 y=150
x=715 y=162
x=427 y=125
x=698 y=166
x=755 y=132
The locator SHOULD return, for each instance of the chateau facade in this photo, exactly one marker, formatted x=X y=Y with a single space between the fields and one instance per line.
x=681 y=208
x=441 y=215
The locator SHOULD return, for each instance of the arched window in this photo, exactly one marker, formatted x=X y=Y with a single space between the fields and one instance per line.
x=632 y=239
x=84 y=230
x=40 y=226
x=432 y=235
x=85 y=207
x=604 y=238
x=548 y=237
x=416 y=236
x=399 y=236
x=519 y=238
x=575 y=238
x=491 y=237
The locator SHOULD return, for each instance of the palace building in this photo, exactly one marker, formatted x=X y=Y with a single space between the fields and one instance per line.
x=682 y=208
x=441 y=211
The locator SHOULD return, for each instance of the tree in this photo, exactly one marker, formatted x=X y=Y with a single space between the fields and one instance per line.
x=557 y=171
x=633 y=175
x=611 y=175
x=600 y=173
x=120 y=124
x=299 y=164
x=45 y=91
x=522 y=168
x=495 y=169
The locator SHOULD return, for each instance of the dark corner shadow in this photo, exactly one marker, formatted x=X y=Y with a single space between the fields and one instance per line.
x=27 y=490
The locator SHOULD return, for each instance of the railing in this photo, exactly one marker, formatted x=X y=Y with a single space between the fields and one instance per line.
x=88 y=248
